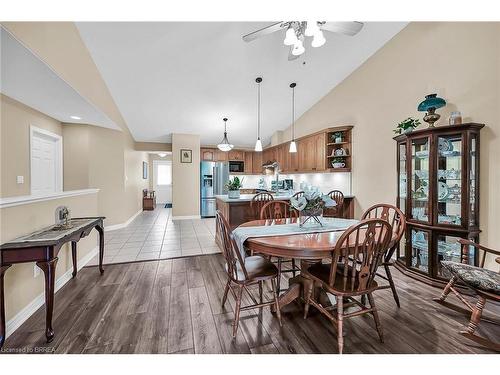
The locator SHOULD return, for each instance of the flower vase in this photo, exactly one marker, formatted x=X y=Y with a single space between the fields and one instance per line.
x=233 y=194
x=310 y=217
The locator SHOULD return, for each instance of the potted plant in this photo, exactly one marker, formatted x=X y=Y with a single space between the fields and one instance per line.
x=338 y=162
x=407 y=126
x=337 y=137
x=233 y=187
x=310 y=205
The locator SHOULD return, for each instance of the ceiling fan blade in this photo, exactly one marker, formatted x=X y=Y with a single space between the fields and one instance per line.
x=347 y=28
x=264 y=31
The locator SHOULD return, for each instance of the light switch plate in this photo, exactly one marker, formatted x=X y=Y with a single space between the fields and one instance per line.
x=20 y=179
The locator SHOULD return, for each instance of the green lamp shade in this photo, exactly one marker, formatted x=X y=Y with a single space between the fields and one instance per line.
x=431 y=101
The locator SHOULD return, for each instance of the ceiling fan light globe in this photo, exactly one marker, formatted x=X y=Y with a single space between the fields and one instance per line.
x=298 y=48
x=318 y=40
x=258 y=145
x=311 y=28
x=290 y=37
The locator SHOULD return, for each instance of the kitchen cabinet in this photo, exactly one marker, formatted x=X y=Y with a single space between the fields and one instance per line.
x=248 y=162
x=207 y=154
x=257 y=162
x=220 y=155
x=237 y=155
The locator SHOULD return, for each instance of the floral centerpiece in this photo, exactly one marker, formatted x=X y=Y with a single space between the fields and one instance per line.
x=310 y=205
x=233 y=187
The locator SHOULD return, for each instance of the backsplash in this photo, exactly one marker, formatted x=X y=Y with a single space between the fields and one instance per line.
x=325 y=181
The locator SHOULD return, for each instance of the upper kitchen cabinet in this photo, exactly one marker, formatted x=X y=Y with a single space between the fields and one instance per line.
x=248 y=159
x=236 y=155
x=220 y=155
x=256 y=162
x=339 y=149
x=207 y=154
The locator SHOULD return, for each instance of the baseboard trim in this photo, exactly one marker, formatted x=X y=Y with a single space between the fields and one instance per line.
x=39 y=301
x=193 y=217
x=122 y=225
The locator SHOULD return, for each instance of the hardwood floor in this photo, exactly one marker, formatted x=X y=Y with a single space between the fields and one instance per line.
x=174 y=306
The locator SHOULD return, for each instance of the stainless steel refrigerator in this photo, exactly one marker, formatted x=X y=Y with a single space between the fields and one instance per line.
x=213 y=177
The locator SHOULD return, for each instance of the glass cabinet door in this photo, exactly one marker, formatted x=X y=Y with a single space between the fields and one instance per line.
x=449 y=179
x=419 y=244
x=402 y=177
x=420 y=179
x=448 y=249
x=473 y=181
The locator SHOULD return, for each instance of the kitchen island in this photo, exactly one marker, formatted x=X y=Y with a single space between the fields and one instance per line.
x=237 y=211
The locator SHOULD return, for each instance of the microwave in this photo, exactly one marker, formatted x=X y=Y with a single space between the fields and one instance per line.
x=236 y=167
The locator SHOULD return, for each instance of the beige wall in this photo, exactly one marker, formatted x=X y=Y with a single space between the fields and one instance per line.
x=185 y=176
x=15 y=122
x=20 y=285
x=460 y=62
x=153 y=146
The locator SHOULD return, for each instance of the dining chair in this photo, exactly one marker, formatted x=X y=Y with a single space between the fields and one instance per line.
x=397 y=219
x=244 y=272
x=484 y=283
x=336 y=211
x=277 y=210
x=256 y=204
x=350 y=273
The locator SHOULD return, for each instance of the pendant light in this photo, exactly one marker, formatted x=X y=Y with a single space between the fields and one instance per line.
x=224 y=145
x=293 y=145
x=258 y=143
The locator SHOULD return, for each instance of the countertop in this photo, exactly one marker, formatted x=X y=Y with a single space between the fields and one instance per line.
x=249 y=197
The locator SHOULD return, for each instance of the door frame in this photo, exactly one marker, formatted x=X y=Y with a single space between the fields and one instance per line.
x=155 y=163
x=34 y=131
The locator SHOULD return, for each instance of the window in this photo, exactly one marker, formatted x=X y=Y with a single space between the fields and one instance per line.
x=164 y=174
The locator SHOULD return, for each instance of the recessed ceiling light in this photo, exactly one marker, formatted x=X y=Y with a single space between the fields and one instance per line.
x=162 y=154
x=75 y=117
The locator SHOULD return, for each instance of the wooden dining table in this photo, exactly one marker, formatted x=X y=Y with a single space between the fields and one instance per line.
x=305 y=247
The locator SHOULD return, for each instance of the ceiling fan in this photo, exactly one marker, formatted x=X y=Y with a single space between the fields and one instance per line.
x=296 y=31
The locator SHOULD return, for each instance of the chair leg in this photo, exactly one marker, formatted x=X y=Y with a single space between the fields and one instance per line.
x=376 y=317
x=278 y=281
x=226 y=291
x=391 y=283
x=476 y=315
x=260 y=291
x=293 y=267
x=308 y=291
x=447 y=288
x=340 y=323
x=237 y=310
x=276 y=301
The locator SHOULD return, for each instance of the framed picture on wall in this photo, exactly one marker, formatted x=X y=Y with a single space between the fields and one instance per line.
x=144 y=170
x=186 y=156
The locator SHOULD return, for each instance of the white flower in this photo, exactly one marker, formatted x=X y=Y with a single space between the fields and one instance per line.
x=329 y=202
x=298 y=203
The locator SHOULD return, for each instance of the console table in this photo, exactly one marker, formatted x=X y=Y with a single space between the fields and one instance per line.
x=43 y=247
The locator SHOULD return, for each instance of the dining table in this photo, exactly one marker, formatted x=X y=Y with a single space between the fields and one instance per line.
x=308 y=246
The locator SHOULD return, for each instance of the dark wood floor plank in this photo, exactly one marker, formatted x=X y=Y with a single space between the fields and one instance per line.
x=180 y=333
x=206 y=339
x=213 y=286
x=179 y=265
x=141 y=297
x=238 y=345
x=266 y=349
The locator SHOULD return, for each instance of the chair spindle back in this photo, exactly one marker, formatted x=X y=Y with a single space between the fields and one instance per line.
x=277 y=210
x=229 y=248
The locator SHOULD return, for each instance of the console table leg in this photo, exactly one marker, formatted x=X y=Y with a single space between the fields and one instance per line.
x=74 y=258
x=2 y=305
x=49 y=270
x=101 y=247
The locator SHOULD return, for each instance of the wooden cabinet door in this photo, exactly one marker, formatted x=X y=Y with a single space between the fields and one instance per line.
x=236 y=155
x=207 y=154
x=256 y=162
x=220 y=155
x=305 y=154
x=320 y=152
x=248 y=162
x=292 y=158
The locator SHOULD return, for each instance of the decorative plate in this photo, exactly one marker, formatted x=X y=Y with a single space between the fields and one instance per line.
x=444 y=145
x=443 y=191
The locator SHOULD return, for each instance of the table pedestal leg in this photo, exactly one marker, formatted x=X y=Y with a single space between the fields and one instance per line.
x=2 y=305
x=49 y=270
x=294 y=291
x=101 y=247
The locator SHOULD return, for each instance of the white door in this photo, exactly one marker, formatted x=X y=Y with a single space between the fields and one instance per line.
x=162 y=181
x=46 y=165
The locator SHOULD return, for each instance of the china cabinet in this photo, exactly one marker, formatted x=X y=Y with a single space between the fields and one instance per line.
x=438 y=190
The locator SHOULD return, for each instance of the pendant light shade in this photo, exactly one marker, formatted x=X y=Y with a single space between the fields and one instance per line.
x=224 y=145
x=293 y=145
x=258 y=143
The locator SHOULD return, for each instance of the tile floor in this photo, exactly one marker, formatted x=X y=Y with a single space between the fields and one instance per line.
x=154 y=235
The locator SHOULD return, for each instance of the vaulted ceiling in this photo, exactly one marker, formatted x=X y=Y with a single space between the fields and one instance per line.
x=184 y=77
